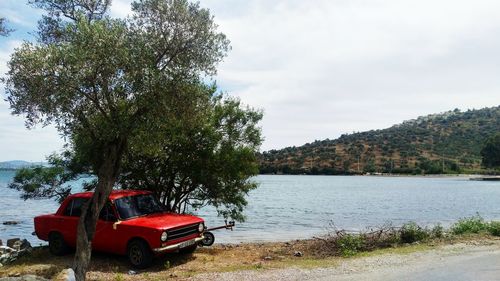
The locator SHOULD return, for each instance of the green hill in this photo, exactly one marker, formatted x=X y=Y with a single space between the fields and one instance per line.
x=448 y=142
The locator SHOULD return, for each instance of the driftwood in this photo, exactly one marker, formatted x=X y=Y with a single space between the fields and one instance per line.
x=338 y=240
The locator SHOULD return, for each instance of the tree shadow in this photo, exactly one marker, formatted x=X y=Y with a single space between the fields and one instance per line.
x=42 y=263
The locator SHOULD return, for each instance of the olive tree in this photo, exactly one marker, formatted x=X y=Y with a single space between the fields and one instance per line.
x=101 y=80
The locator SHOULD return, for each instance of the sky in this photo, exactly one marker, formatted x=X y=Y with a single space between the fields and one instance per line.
x=321 y=68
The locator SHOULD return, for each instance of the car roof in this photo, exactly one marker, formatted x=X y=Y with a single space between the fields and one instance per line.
x=115 y=194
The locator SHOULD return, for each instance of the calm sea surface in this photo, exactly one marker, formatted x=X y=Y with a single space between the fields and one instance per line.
x=290 y=207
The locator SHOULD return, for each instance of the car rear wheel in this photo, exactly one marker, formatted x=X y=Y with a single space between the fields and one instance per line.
x=139 y=254
x=57 y=245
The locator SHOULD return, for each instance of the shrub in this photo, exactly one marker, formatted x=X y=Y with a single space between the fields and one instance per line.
x=494 y=228
x=411 y=232
x=473 y=224
x=350 y=244
x=437 y=231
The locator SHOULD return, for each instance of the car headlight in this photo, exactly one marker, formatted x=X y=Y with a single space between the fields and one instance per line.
x=201 y=227
x=164 y=236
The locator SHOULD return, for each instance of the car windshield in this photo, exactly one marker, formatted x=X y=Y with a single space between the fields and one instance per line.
x=138 y=205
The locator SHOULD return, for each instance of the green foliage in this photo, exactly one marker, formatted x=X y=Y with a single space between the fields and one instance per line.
x=411 y=232
x=203 y=158
x=129 y=96
x=491 y=152
x=494 y=228
x=339 y=242
x=449 y=142
x=106 y=83
x=475 y=224
x=437 y=231
x=350 y=244
x=52 y=181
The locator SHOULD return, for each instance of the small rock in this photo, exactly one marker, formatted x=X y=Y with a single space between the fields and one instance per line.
x=6 y=250
x=71 y=275
x=22 y=246
x=10 y=222
x=298 y=254
x=66 y=275
x=268 y=258
x=131 y=272
x=10 y=242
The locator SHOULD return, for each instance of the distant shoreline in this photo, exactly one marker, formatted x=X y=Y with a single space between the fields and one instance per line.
x=392 y=175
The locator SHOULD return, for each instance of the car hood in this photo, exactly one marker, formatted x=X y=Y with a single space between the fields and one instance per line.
x=163 y=221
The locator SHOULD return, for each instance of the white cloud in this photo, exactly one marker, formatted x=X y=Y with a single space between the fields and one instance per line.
x=323 y=68
x=17 y=142
x=326 y=67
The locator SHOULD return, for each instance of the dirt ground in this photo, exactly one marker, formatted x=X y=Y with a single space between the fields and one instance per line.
x=284 y=261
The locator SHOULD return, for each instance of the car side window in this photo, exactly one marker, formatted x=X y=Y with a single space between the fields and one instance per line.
x=107 y=213
x=74 y=208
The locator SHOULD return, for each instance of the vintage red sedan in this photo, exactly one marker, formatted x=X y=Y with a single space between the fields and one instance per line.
x=132 y=223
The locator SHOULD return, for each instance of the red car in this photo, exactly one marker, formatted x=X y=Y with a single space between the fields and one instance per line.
x=132 y=223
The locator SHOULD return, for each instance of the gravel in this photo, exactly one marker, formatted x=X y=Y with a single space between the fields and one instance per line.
x=453 y=262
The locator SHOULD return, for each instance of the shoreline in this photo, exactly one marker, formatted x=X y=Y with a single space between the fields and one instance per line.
x=250 y=261
x=391 y=175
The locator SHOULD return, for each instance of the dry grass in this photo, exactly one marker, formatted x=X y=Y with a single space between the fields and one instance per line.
x=220 y=258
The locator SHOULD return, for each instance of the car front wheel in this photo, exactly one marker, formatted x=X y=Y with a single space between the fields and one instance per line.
x=139 y=254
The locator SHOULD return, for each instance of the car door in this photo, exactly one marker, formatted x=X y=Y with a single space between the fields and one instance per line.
x=68 y=222
x=104 y=236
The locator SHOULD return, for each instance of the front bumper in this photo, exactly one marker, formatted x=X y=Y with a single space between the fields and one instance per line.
x=177 y=246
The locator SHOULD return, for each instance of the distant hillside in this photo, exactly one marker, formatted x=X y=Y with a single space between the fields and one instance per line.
x=449 y=142
x=16 y=164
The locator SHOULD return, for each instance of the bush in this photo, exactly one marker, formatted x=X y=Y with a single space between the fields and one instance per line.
x=473 y=224
x=411 y=232
x=350 y=244
x=437 y=231
x=494 y=228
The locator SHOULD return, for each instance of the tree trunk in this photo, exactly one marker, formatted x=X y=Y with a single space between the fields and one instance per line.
x=106 y=177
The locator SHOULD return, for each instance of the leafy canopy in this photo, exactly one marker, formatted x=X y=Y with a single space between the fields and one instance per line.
x=136 y=84
x=204 y=156
x=102 y=81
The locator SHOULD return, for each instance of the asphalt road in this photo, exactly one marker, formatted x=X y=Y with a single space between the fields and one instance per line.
x=485 y=267
x=459 y=262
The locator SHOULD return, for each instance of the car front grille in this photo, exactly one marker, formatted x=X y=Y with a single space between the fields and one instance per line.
x=182 y=232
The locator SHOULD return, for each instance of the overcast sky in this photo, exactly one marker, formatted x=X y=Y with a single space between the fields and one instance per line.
x=324 y=67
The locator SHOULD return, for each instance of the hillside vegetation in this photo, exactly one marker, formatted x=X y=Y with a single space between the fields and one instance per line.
x=448 y=142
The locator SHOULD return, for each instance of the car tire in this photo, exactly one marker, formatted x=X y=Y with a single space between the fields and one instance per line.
x=208 y=239
x=57 y=245
x=139 y=254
